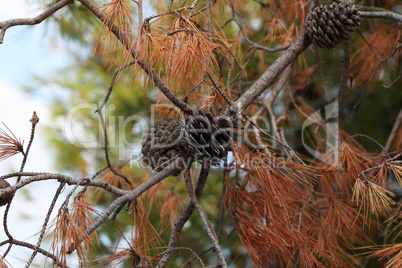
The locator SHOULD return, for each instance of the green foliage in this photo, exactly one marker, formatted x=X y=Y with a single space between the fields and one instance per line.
x=87 y=82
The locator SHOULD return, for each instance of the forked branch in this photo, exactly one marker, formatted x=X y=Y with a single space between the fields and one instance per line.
x=269 y=76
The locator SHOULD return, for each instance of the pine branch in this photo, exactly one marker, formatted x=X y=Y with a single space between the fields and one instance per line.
x=31 y=21
x=34 y=121
x=381 y=15
x=205 y=221
x=42 y=176
x=395 y=129
x=30 y=246
x=106 y=145
x=276 y=68
x=144 y=65
x=179 y=224
x=132 y=195
x=42 y=234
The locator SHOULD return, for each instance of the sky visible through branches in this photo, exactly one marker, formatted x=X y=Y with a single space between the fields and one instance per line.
x=276 y=130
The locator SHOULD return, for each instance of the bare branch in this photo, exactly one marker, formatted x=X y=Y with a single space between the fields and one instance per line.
x=106 y=144
x=34 y=176
x=40 y=250
x=205 y=221
x=132 y=195
x=394 y=130
x=300 y=44
x=381 y=15
x=394 y=82
x=31 y=21
x=179 y=224
x=34 y=120
x=42 y=234
x=115 y=74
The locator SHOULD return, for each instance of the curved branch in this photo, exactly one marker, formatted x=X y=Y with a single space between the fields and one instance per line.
x=31 y=21
x=33 y=176
x=381 y=15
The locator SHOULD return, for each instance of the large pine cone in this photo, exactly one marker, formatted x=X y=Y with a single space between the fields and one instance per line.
x=162 y=142
x=329 y=25
x=210 y=137
x=201 y=137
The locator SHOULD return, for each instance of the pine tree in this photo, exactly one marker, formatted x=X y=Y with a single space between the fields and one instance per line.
x=231 y=92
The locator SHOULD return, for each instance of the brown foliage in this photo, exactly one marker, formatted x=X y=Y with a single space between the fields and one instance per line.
x=9 y=144
x=67 y=231
x=382 y=40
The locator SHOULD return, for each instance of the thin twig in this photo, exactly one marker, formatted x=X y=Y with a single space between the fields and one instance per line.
x=219 y=89
x=274 y=70
x=34 y=120
x=44 y=226
x=393 y=132
x=179 y=224
x=204 y=218
x=5 y=227
x=106 y=142
x=205 y=251
x=367 y=42
x=370 y=138
x=256 y=46
x=394 y=82
x=45 y=253
x=192 y=252
x=381 y=61
x=147 y=19
x=115 y=74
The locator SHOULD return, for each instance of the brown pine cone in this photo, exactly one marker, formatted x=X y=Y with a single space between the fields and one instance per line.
x=162 y=143
x=202 y=137
x=5 y=199
x=329 y=25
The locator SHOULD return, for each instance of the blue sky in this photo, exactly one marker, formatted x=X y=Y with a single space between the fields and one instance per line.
x=27 y=51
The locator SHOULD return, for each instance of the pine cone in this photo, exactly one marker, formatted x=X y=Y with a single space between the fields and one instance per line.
x=5 y=199
x=210 y=136
x=202 y=137
x=329 y=25
x=162 y=142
